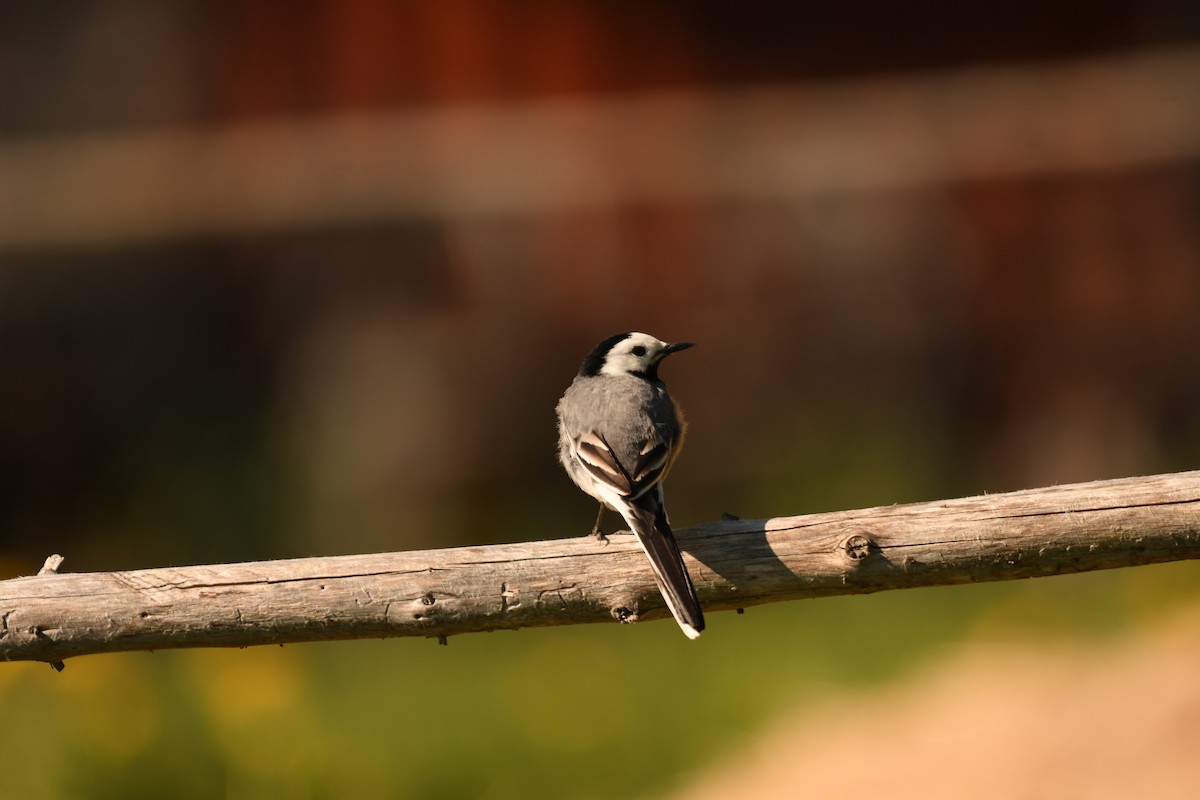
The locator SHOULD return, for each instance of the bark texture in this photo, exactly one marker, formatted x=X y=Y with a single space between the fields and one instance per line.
x=1035 y=533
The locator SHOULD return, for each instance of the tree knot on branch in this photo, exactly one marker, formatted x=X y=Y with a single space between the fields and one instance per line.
x=858 y=546
x=624 y=615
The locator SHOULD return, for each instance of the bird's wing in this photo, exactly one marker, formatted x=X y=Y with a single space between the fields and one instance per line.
x=601 y=463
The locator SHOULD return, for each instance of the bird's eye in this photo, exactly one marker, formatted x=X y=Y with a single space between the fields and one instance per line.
x=638 y=350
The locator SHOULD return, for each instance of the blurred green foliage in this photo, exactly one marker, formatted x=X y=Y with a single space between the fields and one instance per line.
x=595 y=711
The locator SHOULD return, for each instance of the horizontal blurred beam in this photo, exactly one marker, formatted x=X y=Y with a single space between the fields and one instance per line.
x=1040 y=532
x=518 y=159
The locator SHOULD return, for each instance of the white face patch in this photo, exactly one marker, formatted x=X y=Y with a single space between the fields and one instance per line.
x=638 y=352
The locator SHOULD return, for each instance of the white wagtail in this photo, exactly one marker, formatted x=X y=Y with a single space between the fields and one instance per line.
x=618 y=433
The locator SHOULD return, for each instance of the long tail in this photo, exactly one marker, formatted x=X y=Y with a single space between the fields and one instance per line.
x=650 y=526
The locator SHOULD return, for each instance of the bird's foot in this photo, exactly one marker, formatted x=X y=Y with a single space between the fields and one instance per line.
x=597 y=531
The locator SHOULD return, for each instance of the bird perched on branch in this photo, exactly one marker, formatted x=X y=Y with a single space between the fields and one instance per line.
x=619 y=432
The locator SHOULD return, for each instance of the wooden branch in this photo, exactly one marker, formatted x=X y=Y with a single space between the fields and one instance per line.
x=1101 y=525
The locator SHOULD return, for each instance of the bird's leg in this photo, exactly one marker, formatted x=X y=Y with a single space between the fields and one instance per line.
x=597 y=531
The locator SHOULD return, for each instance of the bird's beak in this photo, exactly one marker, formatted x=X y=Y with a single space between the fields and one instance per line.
x=676 y=347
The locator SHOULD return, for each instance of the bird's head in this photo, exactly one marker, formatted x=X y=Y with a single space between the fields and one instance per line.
x=629 y=354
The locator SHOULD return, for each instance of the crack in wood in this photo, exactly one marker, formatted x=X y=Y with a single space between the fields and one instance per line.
x=1090 y=510
x=929 y=543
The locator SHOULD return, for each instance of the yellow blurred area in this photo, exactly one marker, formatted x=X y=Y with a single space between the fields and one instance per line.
x=244 y=688
x=248 y=697
x=564 y=716
x=116 y=708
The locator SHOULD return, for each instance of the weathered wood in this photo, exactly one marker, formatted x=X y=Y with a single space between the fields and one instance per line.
x=1100 y=525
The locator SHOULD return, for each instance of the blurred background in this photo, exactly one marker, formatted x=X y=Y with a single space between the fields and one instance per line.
x=285 y=279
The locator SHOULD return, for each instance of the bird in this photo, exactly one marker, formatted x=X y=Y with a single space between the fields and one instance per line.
x=619 y=432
